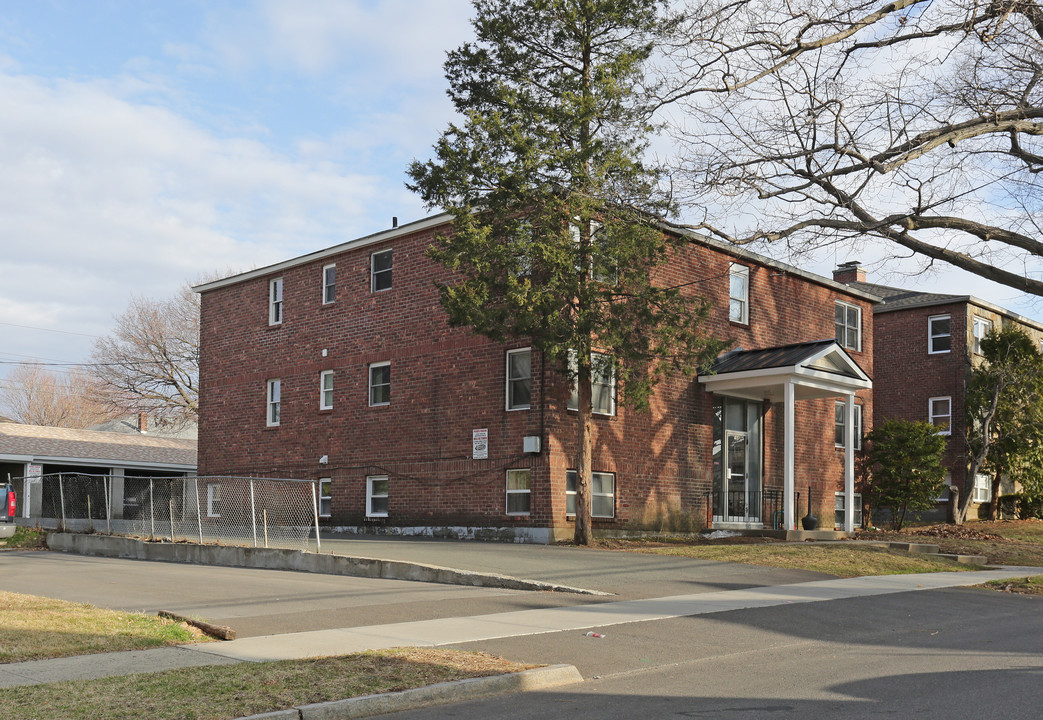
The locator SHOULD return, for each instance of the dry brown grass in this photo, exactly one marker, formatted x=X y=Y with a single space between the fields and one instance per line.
x=1012 y=542
x=230 y=691
x=841 y=560
x=34 y=628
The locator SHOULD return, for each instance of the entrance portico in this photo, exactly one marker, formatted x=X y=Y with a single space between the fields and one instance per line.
x=786 y=375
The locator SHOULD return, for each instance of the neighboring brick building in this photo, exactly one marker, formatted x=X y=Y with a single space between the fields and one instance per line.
x=340 y=366
x=926 y=345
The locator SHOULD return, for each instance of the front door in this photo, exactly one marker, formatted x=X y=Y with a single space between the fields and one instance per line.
x=737 y=462
x=737 y=493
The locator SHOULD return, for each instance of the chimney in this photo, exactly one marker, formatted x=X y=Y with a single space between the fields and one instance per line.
x=394 y=222
x=849 y=272
x=142 y=423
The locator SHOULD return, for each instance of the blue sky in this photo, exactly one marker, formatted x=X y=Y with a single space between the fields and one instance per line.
x=143 y=144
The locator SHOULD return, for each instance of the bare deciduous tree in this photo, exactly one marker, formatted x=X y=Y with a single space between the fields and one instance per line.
x=150 y=362
x=915 y=121
x=34 y=395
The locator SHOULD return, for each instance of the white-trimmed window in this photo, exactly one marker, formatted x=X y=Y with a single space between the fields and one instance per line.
x=326 y=390
x=380 y=270
x=602 y=269
x=519 y=379
x=944 y=495
x=982 y=488
x=939 y=334
x=739 y=293
x=840 y=515
x=848 y=325
x=325 y=496
x=274 y=403
x=377 y=496
x=982 y=327
x=939 y=411
x=602 y=386
x=213 y=500
x=275 y=301
x=329 y=284
x=602 y=494
x=379 y=384
x=519 y=492
x=840 y=411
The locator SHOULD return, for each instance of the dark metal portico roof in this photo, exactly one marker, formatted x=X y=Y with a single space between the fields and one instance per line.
x=774 y=357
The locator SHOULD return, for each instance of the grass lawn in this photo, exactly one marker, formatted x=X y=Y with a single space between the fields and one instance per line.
x=834 y=559
x=1005 y=542
x=230 y=691
x=1020 y=586
x=25 y=538
x=34 y=628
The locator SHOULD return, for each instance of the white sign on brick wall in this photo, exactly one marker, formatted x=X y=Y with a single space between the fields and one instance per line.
x=480 y=444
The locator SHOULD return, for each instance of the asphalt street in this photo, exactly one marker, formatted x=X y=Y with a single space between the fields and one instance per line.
x=624 y=574
x=255 y=602
x=937 y=654
x=948 y=653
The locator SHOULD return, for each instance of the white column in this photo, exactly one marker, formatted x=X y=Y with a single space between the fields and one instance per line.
x=849 y=463
x=788 y=458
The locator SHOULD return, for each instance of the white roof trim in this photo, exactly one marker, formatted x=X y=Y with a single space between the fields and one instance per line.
x=798 y=374
x=738 y=252
x=102 y=462
x=383 y=236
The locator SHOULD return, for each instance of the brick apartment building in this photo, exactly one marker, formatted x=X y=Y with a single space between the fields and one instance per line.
x=925 y=347
x=340 y=366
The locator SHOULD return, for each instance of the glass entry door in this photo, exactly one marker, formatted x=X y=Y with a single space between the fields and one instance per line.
x=737 y=461
x=737 y=475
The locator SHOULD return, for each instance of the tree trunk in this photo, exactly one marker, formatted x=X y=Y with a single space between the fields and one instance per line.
x=583 y=470
x=994 y=505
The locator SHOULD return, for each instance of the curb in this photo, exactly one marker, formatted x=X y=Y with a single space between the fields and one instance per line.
x=295 y=560
x=440 y=694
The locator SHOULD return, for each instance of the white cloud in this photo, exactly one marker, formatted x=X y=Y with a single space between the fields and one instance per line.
x=404 y=38
x=103 y=196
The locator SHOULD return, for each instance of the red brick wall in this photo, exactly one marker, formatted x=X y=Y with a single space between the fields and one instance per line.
x=446 y=382
x=907 y=376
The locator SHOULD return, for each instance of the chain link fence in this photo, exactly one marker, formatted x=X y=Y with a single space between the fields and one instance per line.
x=259 y=512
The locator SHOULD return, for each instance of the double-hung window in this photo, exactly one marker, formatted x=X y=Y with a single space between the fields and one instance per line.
x=213 y=500
x=380 y=384
x=982 y=327
x=275 y=301
x=940 y=413
x=380 y=270
x=377 y=496
x=274 y=402
x=326 y=390
x=325 y=496
x=329 y=284
x=848 y=325
x=739 y=294
x=840 y=514
x=602 y=494
x=602 y=386
x=939 y=334
x=519 y=492
x=519 y=379
x=840 y=412
x=982 y=488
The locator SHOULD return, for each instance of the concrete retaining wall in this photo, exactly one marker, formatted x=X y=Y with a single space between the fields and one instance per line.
x=279 y=559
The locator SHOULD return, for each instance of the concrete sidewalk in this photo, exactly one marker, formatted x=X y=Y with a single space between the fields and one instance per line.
x=450 y=631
